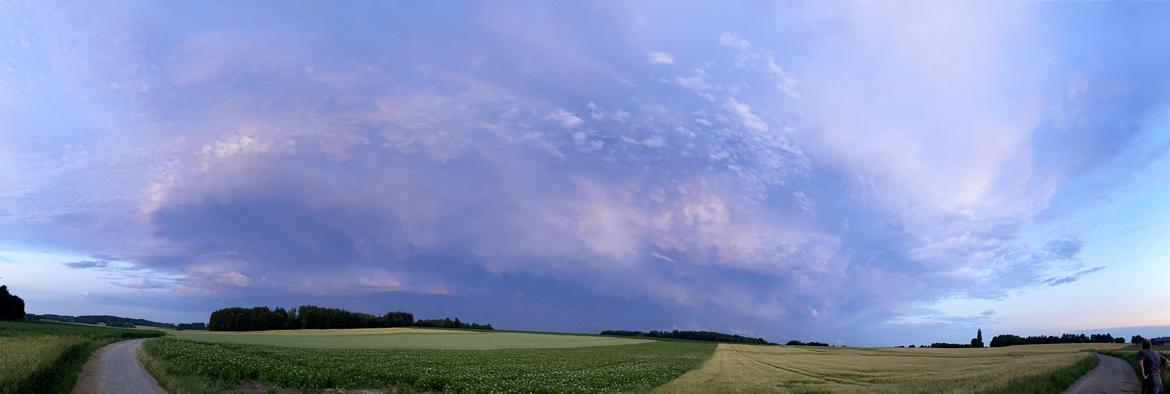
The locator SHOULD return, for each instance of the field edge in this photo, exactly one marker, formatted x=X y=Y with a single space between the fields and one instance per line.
x=1058 y=380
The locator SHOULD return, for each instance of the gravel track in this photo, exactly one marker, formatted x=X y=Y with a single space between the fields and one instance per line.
x=1112 y=375
x=115 y=369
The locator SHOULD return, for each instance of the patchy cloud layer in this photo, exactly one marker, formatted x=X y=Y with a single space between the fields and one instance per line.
x=803 y=179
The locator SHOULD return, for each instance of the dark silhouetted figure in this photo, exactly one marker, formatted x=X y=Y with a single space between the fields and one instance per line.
x=1151 y=364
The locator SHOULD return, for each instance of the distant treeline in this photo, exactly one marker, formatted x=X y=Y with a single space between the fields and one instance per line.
x=1009 y=340
x=314 y=317
x=1159 y=341
x=709 y=336
x=113 y=321
x=944 y=345
x=799 y=343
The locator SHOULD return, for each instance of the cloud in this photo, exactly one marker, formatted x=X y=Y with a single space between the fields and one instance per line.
x=88 y=264
x=746 y=118
x=697 y=82
x=566 y=118
x=382 y=283
x=215 y=277
x=102 y=261
x=928 y=316
x=1057 y=281
x=791 y=186
x=141 y=283
x=661 y=58
x=728 y=39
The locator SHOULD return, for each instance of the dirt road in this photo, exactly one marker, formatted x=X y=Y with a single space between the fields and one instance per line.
x=115 y=369
x=1112 y=375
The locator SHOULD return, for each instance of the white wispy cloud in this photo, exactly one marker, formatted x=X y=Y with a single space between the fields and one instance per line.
x=728 y=39
x=745 y=116
x=565 y=118
x=661 y=58
x=697 y=82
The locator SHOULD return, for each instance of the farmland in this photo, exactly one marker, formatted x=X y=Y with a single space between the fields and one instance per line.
x=414 y=359
x=404 y=338
x=45 y=357
x=614 y=368
x=1027 y=368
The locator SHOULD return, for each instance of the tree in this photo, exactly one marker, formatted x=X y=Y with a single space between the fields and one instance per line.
x=978 y=340
x=11 y=306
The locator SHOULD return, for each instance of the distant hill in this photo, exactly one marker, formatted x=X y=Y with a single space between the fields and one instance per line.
x=111 y=321
x=709 y=336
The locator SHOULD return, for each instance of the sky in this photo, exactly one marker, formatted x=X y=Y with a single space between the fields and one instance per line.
x=862 y=173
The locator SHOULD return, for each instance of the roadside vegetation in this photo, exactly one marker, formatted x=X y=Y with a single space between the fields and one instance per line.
x=192 y=367
x=44 y=357
x=1130 y=355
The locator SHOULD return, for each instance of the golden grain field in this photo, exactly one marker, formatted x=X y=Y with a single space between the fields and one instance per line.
x=751 y=368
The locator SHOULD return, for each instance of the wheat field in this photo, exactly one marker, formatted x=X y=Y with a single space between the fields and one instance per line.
x=751 y=368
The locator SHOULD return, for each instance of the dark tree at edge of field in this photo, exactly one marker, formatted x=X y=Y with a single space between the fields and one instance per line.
x=315 y=317
x=11 y=306
x=1009 y=340
x=799 y=343
x=709 y=336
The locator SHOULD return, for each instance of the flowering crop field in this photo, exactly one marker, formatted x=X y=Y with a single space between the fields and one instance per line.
x=618 y=368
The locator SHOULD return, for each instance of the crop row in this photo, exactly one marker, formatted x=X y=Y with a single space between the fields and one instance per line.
x=621 y=368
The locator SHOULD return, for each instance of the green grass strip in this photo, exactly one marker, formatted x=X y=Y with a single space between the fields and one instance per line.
x=1055 y=382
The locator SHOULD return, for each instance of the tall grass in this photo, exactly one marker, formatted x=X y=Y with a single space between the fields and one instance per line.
x=42 y=357
x=1052 y=382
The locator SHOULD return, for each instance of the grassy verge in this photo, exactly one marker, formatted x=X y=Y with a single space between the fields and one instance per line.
x=195 y=367
x=40 y=357
x=178 y=383
x=1055 y=382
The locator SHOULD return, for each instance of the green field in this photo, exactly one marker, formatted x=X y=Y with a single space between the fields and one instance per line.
x=409 y=359
x=199 y=367
x=404 y=338
x=41 y=357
